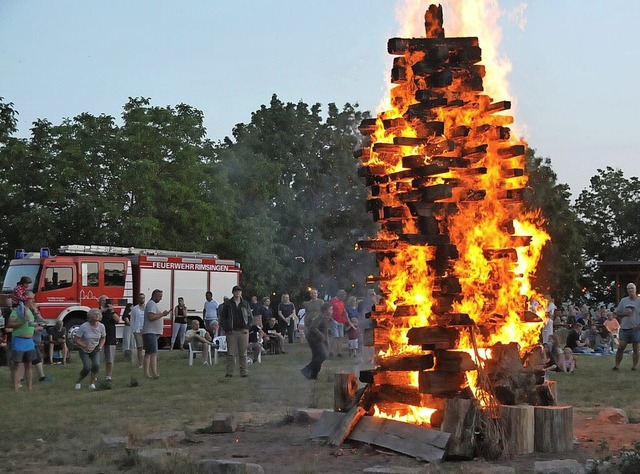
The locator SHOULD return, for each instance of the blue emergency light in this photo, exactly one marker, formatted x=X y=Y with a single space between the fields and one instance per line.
x=19 y=253
x=44 y=252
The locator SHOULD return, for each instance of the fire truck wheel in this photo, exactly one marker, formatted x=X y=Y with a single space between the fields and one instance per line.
x=72 y=324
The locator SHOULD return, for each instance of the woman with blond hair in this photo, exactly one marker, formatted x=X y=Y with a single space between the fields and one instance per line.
x=90 y=338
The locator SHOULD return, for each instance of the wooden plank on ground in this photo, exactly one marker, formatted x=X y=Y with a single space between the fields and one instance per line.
x=422 y=443
x=326 y=424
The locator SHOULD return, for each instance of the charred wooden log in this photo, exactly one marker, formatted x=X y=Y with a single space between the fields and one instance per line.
x=433 y=22
x=399 y=46
x=433 y=337
x=406 y=362
x=444 y=384
x=453 y=361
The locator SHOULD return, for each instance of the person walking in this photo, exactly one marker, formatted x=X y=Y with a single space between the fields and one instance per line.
x=236 y=321
x=151 y=331
x=316 y=334
x=628 y=311
x=90 y=338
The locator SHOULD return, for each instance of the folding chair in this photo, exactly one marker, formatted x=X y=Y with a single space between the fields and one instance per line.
x=193 y=352
x=219 y=345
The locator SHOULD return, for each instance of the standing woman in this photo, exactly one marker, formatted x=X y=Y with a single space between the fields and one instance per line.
x=128 y=344
x=287 y=317
x=90 y=338
x=179 y=323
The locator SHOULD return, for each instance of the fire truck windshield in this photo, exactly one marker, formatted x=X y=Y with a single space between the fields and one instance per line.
x=15 y=272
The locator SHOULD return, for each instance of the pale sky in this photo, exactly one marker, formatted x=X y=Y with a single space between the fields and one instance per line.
x=575 y=64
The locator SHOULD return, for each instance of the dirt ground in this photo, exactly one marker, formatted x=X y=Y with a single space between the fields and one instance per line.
x=287 y=448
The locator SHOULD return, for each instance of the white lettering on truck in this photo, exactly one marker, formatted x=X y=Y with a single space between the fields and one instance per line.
x=210 y=267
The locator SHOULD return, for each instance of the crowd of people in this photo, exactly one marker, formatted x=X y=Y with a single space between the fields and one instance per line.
x=249 y=329
x=583 y=330
x=332 y=327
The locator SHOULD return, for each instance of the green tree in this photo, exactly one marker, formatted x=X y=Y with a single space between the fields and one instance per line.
x=302 y=194
x=609 y=215
x=561 y=265
x=153 y=182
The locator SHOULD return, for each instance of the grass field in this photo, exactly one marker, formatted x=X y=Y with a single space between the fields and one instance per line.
x=62 y=426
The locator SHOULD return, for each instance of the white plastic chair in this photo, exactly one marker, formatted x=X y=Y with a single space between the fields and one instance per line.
x=193 y=352
x=219 y=345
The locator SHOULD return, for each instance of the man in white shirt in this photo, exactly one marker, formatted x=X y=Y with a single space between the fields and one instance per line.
x=210 y=312
x=137 y=320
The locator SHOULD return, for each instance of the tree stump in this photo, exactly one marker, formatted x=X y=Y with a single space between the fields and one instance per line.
x=553 y=429
x=519 y=428
x=345 y=386
x=459 y=416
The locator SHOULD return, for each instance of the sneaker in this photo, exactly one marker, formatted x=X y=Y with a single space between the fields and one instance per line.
x=92 y=386
x=244 y=376
x=108 y=378
x=46 y=378
x=615 y=368
x=228 y=376
x=205 y=363
x=78 y=386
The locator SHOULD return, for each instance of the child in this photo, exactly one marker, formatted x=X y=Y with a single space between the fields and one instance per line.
x=353 y=335
x=18 y=297
x=568 y=361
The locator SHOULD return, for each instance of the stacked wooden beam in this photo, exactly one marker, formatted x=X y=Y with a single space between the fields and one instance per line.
x=418 y=180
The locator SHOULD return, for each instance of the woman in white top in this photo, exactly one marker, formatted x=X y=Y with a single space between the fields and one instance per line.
x=90 y=338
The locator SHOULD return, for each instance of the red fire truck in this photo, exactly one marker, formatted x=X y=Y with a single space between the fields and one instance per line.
x=68 y=285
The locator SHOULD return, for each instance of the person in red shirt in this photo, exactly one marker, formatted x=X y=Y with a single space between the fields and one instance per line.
x=338 y=323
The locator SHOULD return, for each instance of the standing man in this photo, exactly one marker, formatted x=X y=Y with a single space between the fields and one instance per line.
x=23 y=351
x=109 y=319
x=210 y=311
x=151 y=330
x=628 y=312
x=312 y=307
x=236 y=321
x=137 y=321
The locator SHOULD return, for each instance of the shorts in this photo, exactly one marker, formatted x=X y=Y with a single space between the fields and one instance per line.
x=629 y=335
x=150 y=343
x=336 y=329
x=23 y=356
x=109 y=354
x=139 y=341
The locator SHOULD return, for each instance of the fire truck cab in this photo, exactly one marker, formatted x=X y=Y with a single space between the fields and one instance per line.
x=68 y=285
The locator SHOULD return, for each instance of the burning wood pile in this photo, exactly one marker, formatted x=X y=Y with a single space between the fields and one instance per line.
x=456 y=248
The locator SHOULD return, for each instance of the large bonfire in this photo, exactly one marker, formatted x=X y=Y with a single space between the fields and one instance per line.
x=456 y=245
